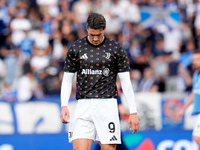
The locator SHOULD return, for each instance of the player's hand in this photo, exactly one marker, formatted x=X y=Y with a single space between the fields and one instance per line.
x=63 y=114
x=179 y=115
x=134 y=123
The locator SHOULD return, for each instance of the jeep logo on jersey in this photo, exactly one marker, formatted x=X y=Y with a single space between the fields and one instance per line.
x=105 y=72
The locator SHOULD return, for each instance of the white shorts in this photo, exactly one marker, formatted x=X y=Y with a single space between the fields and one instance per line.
x=96 y=118
x=196 y=130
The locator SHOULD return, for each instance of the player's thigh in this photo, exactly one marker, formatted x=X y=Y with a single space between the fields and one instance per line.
x=108 y=146
x=196 y=129
x=82 y=144
x=81 y=126
x=106 y=120
x=196 y=139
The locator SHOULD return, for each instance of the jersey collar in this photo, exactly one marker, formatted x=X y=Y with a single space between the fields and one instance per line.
x=95 y=45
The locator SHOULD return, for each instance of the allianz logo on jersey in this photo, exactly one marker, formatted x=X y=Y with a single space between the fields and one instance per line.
x=105 y=72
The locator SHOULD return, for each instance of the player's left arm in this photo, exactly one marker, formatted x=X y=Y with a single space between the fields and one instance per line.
x=130 y=97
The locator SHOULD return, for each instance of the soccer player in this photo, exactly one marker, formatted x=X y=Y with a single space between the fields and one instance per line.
x=97 y=60
x=194 y=97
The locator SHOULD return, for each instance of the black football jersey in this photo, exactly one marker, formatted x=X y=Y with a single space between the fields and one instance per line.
x=96 y=67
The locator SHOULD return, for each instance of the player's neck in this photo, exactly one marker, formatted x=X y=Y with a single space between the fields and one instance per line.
x=102 y=41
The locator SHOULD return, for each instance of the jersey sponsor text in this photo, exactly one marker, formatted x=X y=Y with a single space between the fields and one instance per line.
x=105 y=72
x=90 y=71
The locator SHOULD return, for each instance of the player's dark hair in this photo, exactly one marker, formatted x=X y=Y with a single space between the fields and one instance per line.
x=197 y=51
x=96 y=21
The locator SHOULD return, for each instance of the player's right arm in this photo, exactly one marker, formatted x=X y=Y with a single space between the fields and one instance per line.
x=66 y=88
x=180 y=113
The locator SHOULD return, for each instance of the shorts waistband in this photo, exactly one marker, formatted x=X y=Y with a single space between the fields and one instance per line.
x=97 y=99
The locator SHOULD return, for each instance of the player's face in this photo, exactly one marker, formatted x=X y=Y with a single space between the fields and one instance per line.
x=196 y=61
x=95 y=37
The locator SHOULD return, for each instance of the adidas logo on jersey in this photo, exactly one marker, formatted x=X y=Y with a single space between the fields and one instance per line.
x=113 y=138
x=84 y=56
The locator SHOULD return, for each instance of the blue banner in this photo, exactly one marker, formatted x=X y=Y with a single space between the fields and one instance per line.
x=160 y=140
x=36 y=125
x=147 y=140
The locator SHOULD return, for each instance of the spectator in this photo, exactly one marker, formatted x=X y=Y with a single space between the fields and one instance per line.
x=34 y=17
x=185 y=77
x=160 y=67
x=2 y=75
x=39 y=37
x=47 y=23
x=81 y=9
x=26 y=48
x=40 y=55
x=18 y=25
x=101 y=6
x=172 y=40
x=10 y=53
x=4 y=19
x=9 y=93
x=27 y=87
x=55 y=24
x=49 y=78
x=133 y=8
x=173 y=81
x=136 y=57
x=148 y=82
x=135 y=76
x=186 y=55
x=159 y=49
x=40 y=60
x=56 y=45
x=50 y=6
x=66 y=27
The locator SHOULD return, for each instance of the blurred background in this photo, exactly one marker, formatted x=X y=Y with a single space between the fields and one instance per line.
x=159 y=37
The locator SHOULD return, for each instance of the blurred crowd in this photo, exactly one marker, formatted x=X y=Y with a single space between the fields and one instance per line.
x=159 y=37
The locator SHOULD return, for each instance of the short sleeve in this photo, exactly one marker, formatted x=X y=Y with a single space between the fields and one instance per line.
x=122 y=61
x=71 y=61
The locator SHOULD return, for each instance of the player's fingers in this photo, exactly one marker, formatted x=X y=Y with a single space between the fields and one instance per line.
x=135 y=127
x=130 y=125
x=68 y=117
x=134 y=131
x=63 y=119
